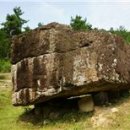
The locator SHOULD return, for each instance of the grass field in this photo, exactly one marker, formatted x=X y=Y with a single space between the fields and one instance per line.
x=10 y=116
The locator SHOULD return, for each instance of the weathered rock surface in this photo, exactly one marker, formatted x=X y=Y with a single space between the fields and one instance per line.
x=86 y=104
x=55 y=61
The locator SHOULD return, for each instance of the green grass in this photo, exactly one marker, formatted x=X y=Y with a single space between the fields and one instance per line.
x=5 y=66
x=9 y=115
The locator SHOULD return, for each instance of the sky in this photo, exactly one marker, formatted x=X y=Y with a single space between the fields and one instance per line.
x=99 y=13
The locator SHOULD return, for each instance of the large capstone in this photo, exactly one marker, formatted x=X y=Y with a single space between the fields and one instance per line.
x=56 y=62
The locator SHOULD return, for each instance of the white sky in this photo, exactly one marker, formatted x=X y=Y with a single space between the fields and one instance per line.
x=99 y=13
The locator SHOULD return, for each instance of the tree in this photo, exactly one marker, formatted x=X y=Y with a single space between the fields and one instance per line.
x=27 y=29
x=111 y=30
x=78 y=23
x=12 y=26
x=14 y=23
x=4 y=45
x=40 y=24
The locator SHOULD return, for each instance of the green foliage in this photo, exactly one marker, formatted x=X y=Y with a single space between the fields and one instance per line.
x=14 y=23
x=121 y=31
x=78 y=23
x=4 y=45
x=5 y=65
x=40 y=24
x=12 y=26
x=27 y=29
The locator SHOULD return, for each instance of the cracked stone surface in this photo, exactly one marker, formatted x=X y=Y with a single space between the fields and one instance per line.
x=54 y=61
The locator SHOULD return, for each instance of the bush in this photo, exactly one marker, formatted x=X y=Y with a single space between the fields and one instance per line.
x=5 y=65
x=121 y=31
x=4 y=45
x=78 y=23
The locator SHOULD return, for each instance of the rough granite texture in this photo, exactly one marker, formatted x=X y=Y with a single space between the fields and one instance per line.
x=54 y=61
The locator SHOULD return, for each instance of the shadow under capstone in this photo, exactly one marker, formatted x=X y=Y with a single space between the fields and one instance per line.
x=58 y=110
